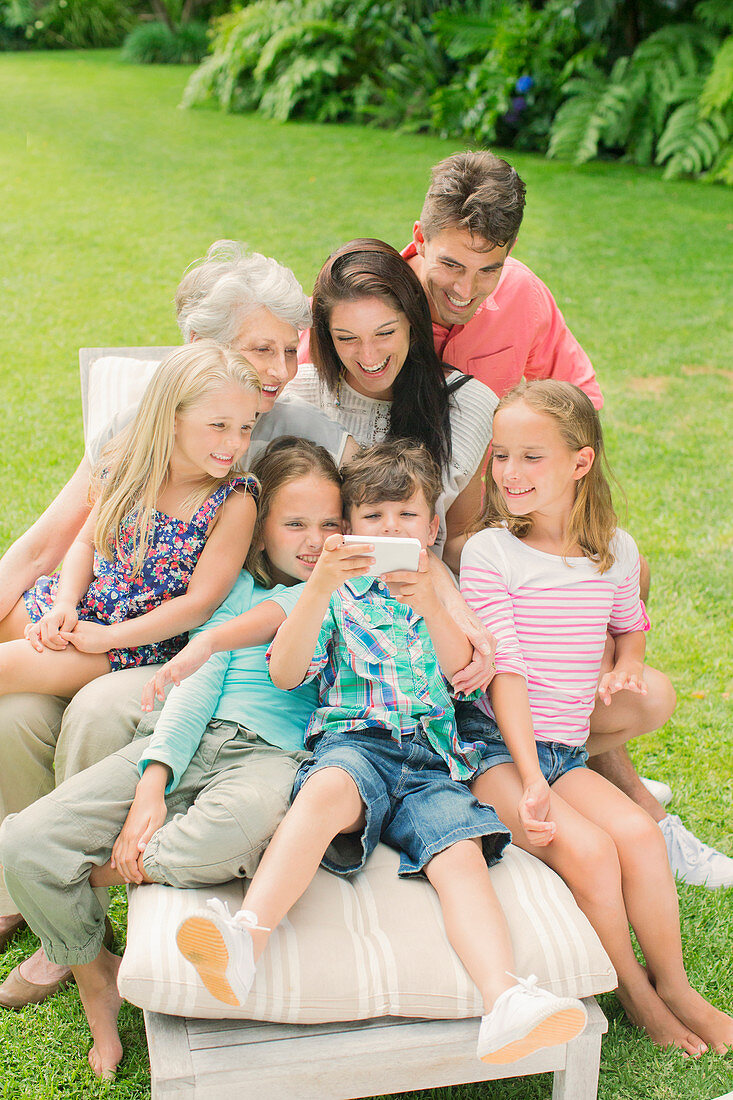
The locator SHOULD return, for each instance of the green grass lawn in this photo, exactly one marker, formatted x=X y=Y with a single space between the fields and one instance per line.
x=108 y=191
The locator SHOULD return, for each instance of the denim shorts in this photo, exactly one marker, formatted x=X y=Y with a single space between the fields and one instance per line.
x=555 y=758
x=410 y=800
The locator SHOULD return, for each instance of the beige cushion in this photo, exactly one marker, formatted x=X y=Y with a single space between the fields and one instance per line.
x=371 y=945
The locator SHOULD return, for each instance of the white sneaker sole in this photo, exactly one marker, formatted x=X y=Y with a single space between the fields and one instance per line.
x=558 y=1027
x=204 y=945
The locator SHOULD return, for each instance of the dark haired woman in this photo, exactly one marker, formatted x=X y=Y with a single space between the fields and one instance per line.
x=375 y=371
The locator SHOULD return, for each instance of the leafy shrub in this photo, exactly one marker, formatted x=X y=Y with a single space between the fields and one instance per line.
x=508 y=73
x=14 y=17
x=517 y=72
x=323 y=60
x=76 y=24
x=670 y=103
x=157 y=43
x=59 y=24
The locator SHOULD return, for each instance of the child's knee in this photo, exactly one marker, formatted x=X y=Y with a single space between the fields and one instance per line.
x=639 y=838
x=465 y=857
x=331 y=791
x=331 y=781
x=590 y=860
x=218 y=839
x=661 y=698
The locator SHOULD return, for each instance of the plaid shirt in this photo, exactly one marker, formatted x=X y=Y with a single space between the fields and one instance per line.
x=378 y=667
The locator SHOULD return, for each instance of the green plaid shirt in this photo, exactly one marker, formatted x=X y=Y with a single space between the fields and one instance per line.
x=378 y=667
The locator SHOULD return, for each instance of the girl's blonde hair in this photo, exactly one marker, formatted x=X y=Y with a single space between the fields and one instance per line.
x=133 y=468
x=592 y=519
x=284 y=460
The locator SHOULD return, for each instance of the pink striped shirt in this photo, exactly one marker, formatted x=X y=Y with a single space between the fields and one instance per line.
x=550 y=616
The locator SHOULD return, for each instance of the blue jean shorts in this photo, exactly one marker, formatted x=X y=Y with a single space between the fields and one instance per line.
x=555 y=758
x=410 y=800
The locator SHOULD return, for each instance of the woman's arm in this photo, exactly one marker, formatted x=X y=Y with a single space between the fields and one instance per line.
x=478 y=673
x=40 y=549
x=213 y=578
x=461 y=514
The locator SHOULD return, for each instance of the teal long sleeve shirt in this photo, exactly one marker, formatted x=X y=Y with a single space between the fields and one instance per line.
x=234 y=687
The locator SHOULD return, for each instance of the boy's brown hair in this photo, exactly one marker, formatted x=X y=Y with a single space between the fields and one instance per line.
x=392 y=470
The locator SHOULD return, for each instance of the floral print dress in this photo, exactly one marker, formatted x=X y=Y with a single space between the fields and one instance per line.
x=116 y=595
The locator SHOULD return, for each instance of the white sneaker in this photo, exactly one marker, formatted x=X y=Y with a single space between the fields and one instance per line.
x=658 y=790
x=526 y=1018
x=220 y=947
x=691 y=860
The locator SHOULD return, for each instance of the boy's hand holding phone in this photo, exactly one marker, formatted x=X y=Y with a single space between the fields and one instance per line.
x=341 y=561
x=415 y=588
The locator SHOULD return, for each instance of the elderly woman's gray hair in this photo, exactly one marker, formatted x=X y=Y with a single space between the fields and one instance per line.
x=217 y=293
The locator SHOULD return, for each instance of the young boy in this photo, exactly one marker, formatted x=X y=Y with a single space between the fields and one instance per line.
x=387 y=762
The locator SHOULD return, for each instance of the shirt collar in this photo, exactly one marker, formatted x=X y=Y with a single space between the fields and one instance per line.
x=360 y=586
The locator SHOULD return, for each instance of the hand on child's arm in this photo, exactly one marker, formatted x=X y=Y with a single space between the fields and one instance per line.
x=480 y=671
x=90 y=637
x=146 y=815
x=46 y=632
x=534 y=807
x=625 y=676
x=478 y=674
x=190 y=659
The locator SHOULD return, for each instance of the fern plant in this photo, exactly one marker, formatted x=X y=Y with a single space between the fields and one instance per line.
x=500 y=47
x=670 y=103
x=323 y=60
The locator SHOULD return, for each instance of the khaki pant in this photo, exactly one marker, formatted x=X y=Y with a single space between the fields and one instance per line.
x=228 y=804
x=45 y=739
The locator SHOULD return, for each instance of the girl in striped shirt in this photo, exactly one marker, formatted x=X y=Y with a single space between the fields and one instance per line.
x=550 y=574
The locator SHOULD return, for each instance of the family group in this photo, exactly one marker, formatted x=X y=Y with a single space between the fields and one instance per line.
x=216 y=685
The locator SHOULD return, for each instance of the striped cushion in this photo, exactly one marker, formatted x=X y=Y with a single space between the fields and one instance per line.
x=116 y=383
x=371 y=945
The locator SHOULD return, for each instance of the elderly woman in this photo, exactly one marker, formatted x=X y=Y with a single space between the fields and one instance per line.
x=376 y=373
x=250 y=303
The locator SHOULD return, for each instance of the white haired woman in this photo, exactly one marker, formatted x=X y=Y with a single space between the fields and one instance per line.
x=245 y=301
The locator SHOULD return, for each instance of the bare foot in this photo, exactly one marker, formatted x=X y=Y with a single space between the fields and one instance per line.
x=40 y=970
x=715 y=1027
x=97 y=983
x=648 y=1011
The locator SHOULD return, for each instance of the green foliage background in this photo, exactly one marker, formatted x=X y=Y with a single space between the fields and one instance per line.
x=548 y=76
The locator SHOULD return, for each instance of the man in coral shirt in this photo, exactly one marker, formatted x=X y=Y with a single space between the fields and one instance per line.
x=492 y=317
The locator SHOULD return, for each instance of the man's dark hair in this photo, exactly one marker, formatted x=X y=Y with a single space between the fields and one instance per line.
x=478 y=192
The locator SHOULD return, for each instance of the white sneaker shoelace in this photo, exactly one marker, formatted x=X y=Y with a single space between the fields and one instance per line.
x=243 y=918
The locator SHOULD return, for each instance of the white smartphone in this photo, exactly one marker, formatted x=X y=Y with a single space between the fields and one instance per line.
x=390 y=554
